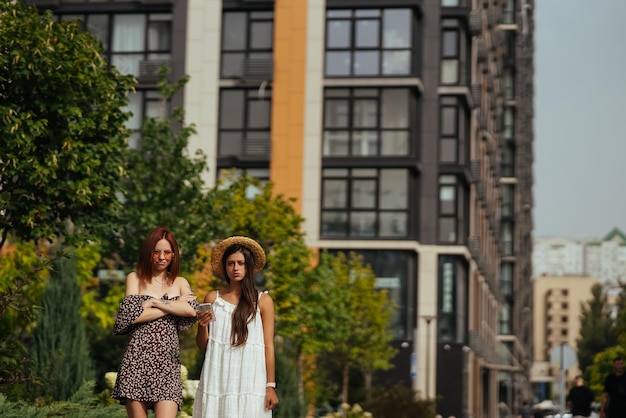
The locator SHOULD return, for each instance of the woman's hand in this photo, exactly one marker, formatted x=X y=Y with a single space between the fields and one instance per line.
x=204 y=317
x=271 y=399
x=148 y=303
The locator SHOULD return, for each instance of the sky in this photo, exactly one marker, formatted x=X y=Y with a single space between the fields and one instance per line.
x=580 y=117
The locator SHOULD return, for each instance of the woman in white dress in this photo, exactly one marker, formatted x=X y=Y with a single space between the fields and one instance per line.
x=237 y=336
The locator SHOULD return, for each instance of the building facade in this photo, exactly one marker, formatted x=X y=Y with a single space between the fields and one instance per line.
x=556 y=315
x=403 y=129
x=603 y=258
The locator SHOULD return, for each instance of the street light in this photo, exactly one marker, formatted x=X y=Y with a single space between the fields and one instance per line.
x=428 y=319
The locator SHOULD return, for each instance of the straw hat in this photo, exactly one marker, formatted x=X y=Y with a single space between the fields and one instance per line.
x=218 y=252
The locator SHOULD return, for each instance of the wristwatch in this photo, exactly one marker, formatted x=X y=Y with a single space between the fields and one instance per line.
x=271 y=385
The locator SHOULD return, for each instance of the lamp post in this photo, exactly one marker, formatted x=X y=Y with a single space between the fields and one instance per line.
x=428 y=319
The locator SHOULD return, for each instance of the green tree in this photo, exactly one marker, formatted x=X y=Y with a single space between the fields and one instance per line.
x=23 y=274
x=601 y=367
x=350 y=322
x=62 y=127
x=60 y=346
x=597 y=328
x=256 y=211
x=164 y=185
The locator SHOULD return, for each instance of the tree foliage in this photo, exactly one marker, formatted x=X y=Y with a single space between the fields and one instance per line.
x=597 y=328
x=349 y=318
x=256 y=211
x=164 y=186
x=601 y=367
x=81 y=405
x=60 y=346
x=62 y=113
x=23 y=273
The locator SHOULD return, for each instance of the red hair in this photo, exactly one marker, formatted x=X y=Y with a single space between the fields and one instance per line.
x=144 y=263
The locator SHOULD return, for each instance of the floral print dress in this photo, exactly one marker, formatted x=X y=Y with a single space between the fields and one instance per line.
x=150 y=367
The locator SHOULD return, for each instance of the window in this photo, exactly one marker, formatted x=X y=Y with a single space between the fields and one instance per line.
x=365 y=203
x=508 y=14
x=509 y=83
x=508 y=125
x=507 y=208
x=368 y=122
x=505 y=319
x=453 y=51
x=369 y=42
x=564 y=292
x=262 y=174
x=452 y=126
x=128 y=41
x=506 y=278
x=452 y=204
x=507 y=165
x=244 y=125
x=452 y=294
x=510 y=47
x=143 y=104
x=506 y=237
x=245 y=35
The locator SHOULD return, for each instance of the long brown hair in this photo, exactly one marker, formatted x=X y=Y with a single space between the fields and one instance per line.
x=247 y=306
x=144 y=263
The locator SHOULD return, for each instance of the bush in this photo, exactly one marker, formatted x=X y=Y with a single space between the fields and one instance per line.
x=81 y=405
x=398 y=401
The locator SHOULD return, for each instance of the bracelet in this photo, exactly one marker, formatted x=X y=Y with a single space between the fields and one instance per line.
x=271 y=385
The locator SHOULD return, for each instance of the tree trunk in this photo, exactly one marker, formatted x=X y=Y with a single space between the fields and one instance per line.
x=346 y=381
x=367 y=376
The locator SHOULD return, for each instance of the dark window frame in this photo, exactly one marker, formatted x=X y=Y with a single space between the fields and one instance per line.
x=253 y=150
x=347 y=209
x=350 y=16
x=352 y=96
x=459 y=208
x=247 y=51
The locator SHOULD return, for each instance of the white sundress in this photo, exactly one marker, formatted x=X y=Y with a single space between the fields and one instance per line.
x=232 y=382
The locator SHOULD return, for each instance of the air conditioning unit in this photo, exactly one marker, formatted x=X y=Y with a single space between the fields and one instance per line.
x=257 y=69
x=473 y=244
x=481 y=50
x=476 y=22
x=476 y=90
x=149 y=70
x=482 y=119
x=475 y=170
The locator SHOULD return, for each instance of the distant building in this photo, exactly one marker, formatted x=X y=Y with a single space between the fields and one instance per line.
x=603 y=258
x=556 y=317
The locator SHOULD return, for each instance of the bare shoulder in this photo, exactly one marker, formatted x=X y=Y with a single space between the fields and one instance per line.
x=183 y=285
x=132 y=284
x=266 y=301
x=210 y=297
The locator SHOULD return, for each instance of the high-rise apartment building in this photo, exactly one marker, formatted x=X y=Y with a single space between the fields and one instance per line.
x=403 y=128
x=603 y=258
